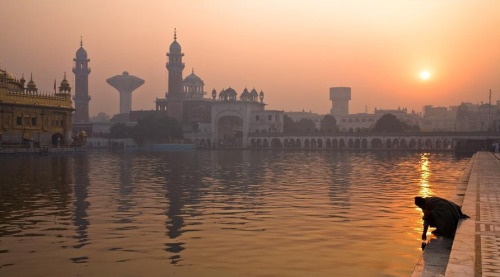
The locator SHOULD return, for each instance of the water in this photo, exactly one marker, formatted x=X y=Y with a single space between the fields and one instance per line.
x=217 y=213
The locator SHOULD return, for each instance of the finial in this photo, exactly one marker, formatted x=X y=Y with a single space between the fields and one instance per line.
x=64 y=75
x=192 y=70
x=31 y=77
x=81 y=41
x=175 y=33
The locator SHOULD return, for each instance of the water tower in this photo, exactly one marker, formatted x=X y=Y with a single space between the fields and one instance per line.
x=125 y=84
x=340 y=97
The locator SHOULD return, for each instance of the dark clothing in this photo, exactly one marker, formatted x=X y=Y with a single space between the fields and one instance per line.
x=442 y=214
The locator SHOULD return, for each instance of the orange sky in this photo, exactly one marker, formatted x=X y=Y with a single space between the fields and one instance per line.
x=293 y=50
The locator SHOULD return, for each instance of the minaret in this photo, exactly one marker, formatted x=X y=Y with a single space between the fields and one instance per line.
x=82 y=98
x=175 y=67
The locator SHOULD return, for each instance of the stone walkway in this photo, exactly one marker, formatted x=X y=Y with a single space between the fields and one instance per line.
x=475 y=250
x=476 y=247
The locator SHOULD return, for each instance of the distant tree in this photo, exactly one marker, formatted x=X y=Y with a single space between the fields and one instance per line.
x=157 y=128
x=289 y=126
x=120 y=130
x=306 y=126
x=390 y=123
x=329 y=124
x=100 y=117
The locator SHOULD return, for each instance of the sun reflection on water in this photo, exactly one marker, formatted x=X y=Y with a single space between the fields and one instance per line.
x=425 y=173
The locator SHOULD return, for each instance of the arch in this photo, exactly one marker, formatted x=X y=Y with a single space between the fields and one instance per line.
x=320 y=143
x=357 y=143
x=446 y=144
x=306 y=143
x=376 y=143
x=428 y=143
x=292 y=143
x=57 y=139
x=403 y=144
x=388 y=143
x=230 y=131
x=342 y=144
x=350 y=143
x=265 y=143
x=328 y=143
x=298 y=143
x=313 y=143
x=439 y=144
x=286 y=143
x=275 y=142
x=259 y=142
x=335 y=144
x=395 y=143
x=364 y=143
x=413 y=143
x=420 y=143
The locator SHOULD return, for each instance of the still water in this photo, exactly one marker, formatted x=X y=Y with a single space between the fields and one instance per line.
x=217 y=213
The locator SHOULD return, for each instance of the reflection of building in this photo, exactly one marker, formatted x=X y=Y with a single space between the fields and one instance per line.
x=29 y=116
x=225 y=119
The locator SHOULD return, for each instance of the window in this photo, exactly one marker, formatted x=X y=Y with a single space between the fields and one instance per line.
x=33 y=121
x=19 y=120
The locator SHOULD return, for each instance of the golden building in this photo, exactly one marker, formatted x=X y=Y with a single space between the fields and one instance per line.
x=32 y=118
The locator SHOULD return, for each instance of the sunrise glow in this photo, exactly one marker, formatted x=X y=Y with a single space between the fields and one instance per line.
x=425 y=75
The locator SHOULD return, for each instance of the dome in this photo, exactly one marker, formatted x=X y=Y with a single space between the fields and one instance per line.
x=64 y=85
x=192 y=78
x=175 y=47
x=81 y=53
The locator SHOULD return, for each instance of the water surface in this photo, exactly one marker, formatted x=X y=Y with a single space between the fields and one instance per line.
x=217 y=213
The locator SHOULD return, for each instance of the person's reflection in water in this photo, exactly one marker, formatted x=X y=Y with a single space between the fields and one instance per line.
x=439 y=213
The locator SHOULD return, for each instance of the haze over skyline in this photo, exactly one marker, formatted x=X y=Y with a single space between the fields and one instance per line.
x=392 y=53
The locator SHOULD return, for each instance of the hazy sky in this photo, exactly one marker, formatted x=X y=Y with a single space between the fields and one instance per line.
x=292 y=50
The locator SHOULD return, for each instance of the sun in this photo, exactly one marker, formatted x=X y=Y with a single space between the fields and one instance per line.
x=425 y=75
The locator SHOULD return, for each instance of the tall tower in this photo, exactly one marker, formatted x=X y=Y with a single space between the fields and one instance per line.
x=175 y=95
x=340 y=97
x=125 y=84
x=81 y=70
x=175 y=67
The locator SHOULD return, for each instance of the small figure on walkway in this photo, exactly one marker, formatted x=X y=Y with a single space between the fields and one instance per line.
x=439 y=213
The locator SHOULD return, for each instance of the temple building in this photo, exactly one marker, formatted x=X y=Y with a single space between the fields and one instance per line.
x=223 y=120
x=31 y=117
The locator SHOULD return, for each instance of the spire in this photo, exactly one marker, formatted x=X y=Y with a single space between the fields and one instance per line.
x=175 y=33
x=192 y=70
x=81 y=41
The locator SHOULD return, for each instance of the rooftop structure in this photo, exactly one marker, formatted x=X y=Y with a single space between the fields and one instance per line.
x=125 y=84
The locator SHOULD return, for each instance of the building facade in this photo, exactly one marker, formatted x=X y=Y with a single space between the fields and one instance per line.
x=30 y=117
x=225 y=119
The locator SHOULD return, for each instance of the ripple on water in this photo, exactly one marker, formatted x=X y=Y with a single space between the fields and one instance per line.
x=218 y=213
